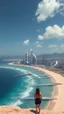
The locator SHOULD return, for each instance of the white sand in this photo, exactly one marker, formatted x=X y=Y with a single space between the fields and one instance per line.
x=59 y=103
x=17 y=110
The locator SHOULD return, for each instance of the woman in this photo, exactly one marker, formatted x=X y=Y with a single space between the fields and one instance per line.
x=38 y=98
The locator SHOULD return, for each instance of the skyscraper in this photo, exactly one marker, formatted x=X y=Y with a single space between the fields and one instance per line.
x=26 y=58
x=33 y=58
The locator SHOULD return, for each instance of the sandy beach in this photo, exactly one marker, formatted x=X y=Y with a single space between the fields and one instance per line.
x=58 y=90
x=54 y=107
x=17 y=110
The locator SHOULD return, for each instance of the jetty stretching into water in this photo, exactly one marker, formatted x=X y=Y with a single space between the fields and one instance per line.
x=50 y=84
x=43 y=98
x=45 y=77
x=28 y=74
x=23 y=74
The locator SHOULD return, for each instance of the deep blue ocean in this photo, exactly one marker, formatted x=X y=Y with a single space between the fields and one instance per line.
x=13 y=88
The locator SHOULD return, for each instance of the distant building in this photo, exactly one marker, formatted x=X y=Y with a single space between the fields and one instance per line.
x=33 y=58
x=39 y=61
x=26 y=58
x=30 y=60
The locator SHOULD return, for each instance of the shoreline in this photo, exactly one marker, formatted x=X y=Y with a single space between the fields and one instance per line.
x=56 y=105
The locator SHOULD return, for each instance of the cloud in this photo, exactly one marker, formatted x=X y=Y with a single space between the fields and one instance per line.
x=30 y=50
x=38 y=30
x=38 y=44
x=48 y=9
x=53 y=46
x=62 y=46
x=40 y=37
x=26 y=42
x=52 y=32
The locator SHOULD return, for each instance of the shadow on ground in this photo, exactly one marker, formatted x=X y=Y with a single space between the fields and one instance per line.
x=33 y=111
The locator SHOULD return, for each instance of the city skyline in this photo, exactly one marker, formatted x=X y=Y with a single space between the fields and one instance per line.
x=36 y=25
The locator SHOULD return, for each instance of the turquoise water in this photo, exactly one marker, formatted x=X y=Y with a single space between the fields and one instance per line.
x=13 y=88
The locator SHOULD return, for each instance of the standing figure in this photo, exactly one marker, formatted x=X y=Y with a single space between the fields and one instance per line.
x=38 y=99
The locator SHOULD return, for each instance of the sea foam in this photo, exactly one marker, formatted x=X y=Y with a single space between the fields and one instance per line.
x=30 y=81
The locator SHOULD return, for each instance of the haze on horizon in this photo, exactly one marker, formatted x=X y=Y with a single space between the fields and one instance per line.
x=31 y=24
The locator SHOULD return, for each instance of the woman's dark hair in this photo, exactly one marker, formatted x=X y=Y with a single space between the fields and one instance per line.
x=38 y=91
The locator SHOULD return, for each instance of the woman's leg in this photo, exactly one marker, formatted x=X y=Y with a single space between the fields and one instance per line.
x=38 y=108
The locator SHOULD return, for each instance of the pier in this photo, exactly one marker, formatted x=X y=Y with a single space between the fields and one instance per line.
x=23 y=74
x=43 y=98
x=50 y=84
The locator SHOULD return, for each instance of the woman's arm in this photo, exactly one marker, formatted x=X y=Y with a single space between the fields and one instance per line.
x=40 y=95
x=34 y=96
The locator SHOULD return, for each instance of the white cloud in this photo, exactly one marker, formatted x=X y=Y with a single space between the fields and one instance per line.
x=38 y=30
x=30 y=50
x=53 y=46
x=52 y=32
x=48 y=9
x=62 y=46
x=40 y=37
x=26 y=42
x=38 y=44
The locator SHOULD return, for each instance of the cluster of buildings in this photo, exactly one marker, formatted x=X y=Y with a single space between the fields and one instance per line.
x=30 y=59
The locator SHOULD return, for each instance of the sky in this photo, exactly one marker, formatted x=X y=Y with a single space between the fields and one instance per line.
x=36 y=25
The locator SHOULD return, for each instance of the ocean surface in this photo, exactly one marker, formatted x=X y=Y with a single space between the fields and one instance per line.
x=13 y=88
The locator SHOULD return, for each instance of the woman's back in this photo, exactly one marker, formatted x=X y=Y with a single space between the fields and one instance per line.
x=38 y=94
